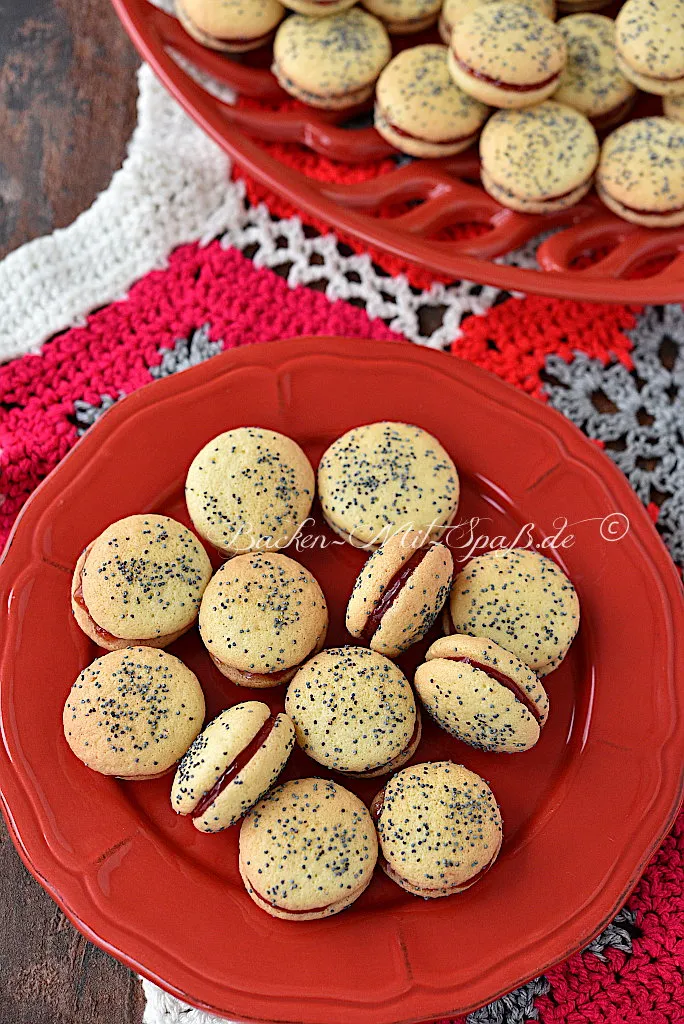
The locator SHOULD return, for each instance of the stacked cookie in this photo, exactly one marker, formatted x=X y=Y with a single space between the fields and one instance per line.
x=137 y=712
x=555 y=87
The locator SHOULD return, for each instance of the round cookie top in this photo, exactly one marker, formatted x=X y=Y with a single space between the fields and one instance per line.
x=307 y=845
x=214 y=750
x=385 y=477
x=439 y=825
x=673 y=106
x=642 y=165
x=353 y=709
x=262 y=613
x=402 y=10
x=144 y=577
x=518 y=599
x=133 y=712
x=249 y=489
x=234 y=19
x=539 y=152
x=454 y=11
x=416 y=93
x=591 y=81
x=650 y=38
x=332 y=56
x=510 y=44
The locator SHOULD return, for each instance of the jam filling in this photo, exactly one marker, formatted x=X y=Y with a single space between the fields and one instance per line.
x=297 y=91
x=376 y=811
x=500 y=677
x=418 y=138
x=234 y=768
x=653 y=213
x=247 y=40
x=285 y=910
x=272 y=677
x=508 y=86
x=391 y=592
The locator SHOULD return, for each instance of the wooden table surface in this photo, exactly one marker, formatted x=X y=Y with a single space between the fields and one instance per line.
x=67 y=109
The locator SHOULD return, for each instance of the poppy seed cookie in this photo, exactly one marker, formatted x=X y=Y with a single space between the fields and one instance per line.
x=420 y=110
x=354 y=712
x=261 y=616
x=641 y=172
x=231 y=764
x=454 y=11
x=139 y=583
x=307 y=850
x=233 y=26
x=319 y=8
x=404 y=17
x=591 y=81
x=482 y=694
x=650 y=45
x=520 y=600
x=133 y=713
x=331 y=62
x=540 y=159
x=399 y=593
x=249 y=490
x=387 y=478
x=439 y=828
x=507 y=55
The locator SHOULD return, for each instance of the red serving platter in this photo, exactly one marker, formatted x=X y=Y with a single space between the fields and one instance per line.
x=432 y=198
x=583 y=811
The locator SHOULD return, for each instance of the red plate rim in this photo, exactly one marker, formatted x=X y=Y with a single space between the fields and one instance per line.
x=203 y=109
x=78 y=901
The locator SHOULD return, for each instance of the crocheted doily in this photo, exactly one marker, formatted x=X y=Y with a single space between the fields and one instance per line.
x=183 y=258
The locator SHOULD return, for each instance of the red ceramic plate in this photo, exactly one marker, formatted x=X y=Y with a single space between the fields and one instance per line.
x=628 y=263
x=583 y=811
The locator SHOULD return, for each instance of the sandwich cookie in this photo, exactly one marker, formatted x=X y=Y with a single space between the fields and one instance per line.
x=540 y=159
x=507 y=55
x=140 y=583
x=641 y=173
x=403 y=17
x=650 y=45
x=673 y=106
x=439 y=828
x=591 y=81
x=249 y=490
x=399 y=593
x=482 y=694
x=231 y=764
x=354 y=712
x=233 y=26
x=319 y=8
x=387 y=478
x=420 y=110
x=133 y=713
x=332 y=62
x=454 y=11
x=261 y=617
x=520 y=600
x=307 y=850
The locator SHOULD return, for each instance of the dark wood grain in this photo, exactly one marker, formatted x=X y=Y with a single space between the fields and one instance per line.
x=67 y=109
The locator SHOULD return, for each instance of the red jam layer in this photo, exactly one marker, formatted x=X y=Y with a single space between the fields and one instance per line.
x=499 y=84
x=418 y=138
x=234 y=768
x=500 y=677
x=293 y=913
x=652 y=213
x=272 y=677
x=247 y=40
x=391 y=592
